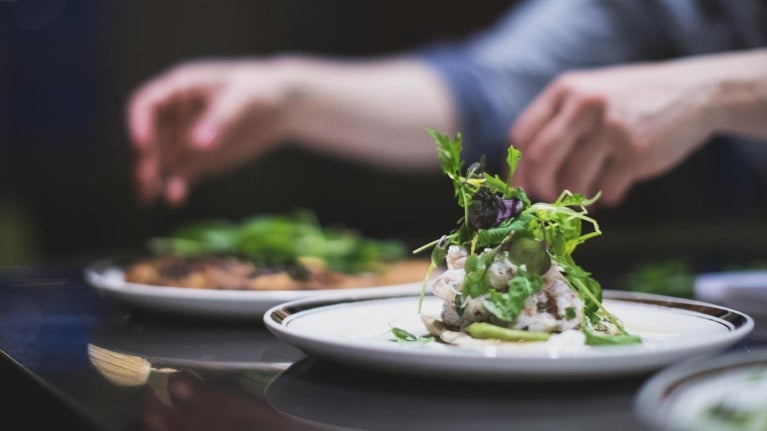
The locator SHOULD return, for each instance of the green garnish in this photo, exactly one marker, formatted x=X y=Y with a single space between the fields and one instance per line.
x=402 y=335
x=276 y=240
x=506 y=306
x=499 y=219
x=488 y=331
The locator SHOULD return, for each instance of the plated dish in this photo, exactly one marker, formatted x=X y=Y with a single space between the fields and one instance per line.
x=510 y=272
x=728 y=392
x=356 y=330
x=239 y=269
x=271 y=252
x=108 y=278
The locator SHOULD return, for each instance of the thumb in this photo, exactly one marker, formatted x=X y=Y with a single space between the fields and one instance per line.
x=219 y=116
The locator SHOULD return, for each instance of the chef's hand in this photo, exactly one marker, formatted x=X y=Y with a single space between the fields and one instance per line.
x=204 y=118
x=610 y=128
x=199 y=119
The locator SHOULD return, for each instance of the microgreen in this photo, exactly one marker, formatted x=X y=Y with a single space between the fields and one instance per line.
x=403 y=336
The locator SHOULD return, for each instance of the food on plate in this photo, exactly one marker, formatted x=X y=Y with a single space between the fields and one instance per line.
x=272 y=252
x=735 y=401
x=510 y=274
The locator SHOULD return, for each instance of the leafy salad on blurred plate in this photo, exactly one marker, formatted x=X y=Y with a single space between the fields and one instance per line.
x=272 y=252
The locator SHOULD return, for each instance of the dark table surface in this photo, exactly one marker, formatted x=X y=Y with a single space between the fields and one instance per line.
x=70 y=356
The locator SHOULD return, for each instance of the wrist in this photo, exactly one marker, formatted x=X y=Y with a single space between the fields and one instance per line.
x=738 y=95
x=293 y=74
x=733 y=105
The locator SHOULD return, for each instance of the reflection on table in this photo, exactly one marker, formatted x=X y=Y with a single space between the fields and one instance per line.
x=121 y=369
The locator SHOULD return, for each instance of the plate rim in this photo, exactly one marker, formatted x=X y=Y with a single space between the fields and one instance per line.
x=95 y=275
x=739 y=286
x=275 y=317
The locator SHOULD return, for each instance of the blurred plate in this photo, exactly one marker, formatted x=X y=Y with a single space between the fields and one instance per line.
x=742 y=290
x=355 y=330
x=728 y=392
x=745 y=289
x=108 y=278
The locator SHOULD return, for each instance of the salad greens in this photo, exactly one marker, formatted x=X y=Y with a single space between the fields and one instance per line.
x=502 y=219
x=280 y=240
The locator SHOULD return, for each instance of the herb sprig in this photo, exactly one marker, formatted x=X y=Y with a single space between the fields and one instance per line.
x=404 y=336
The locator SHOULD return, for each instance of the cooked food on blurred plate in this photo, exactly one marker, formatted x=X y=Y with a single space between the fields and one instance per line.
x=273 y=252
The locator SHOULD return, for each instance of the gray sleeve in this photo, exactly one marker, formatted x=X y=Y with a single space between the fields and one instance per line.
x=495 y=74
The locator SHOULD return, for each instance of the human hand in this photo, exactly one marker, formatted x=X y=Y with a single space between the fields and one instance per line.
x=604 y=130
x=202 y=118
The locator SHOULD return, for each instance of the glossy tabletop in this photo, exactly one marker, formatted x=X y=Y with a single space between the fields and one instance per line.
x=120 y=369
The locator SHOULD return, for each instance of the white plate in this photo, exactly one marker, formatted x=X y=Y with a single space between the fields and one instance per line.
x=727 y=392
x=355 y=329
x=109 y=280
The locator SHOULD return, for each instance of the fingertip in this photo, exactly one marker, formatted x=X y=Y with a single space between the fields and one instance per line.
x=140 y=127
x=204 y=135
x=613 y=198
x=145 y=188
x=139 y=133
x=609 y=202
x=614 y=191
x=175 y=191
x=146 y=167
x=516 y=136
x=137 y=118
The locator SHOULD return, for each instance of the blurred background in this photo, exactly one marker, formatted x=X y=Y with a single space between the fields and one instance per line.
x=68 y=67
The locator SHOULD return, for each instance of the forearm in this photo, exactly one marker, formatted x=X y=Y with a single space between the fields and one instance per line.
x=739 y=98
x=370 y=111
